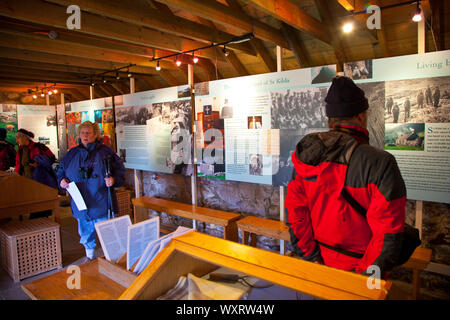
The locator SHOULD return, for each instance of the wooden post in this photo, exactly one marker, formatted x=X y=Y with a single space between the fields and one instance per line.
x=47 y=99
x=421 y=34
x=137 y=173
x=194 y=154
x=420 y=49
x=419 y=203
x=91 y=92
x=282 y=215
x=279 y=59
x=132 y=86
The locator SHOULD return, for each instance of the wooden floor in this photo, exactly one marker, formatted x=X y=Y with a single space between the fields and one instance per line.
x=72 y=254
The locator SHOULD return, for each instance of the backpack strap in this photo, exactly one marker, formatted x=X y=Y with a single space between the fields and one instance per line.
x=355 y=204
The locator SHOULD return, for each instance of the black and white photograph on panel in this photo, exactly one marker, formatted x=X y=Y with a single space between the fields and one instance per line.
x=282 y=164
x=375 y=94
x=180 y=120
x=298 y=108
x=358 y=70
x=418 y=100
x=255 y=164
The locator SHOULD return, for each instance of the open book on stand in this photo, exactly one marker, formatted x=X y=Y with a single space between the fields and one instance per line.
x=139 y=242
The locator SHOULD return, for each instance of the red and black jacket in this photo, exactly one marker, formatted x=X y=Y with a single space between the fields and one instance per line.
x=320 y=218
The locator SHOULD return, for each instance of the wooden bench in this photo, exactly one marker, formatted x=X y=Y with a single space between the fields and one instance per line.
x=222 y=218
x=252 y=226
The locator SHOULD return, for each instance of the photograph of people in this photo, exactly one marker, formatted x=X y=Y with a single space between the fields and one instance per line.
x=256 y=164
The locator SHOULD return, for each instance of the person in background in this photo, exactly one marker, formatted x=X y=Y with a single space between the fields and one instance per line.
x=84 y=165
x=332 y=170
x=34 y=160
x=7 y=152
x=395 y=112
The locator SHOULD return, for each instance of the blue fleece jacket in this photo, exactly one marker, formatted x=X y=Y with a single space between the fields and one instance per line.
x=92 y=188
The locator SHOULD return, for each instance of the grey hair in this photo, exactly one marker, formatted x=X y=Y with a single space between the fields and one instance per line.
x=91 y=125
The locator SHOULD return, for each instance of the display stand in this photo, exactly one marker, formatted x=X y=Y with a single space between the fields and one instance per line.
x=200 y=254
x=20 y=195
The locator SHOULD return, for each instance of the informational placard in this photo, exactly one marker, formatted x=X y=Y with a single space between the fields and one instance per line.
x=153 y=130
x=247 y=127
x=41 y=120
x=97 y=110
x=416 y=116
x=8 y=120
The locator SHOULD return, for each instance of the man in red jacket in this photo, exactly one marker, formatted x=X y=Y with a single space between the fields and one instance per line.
x=332 y=166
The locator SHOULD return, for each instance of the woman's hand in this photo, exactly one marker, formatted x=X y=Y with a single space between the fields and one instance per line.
x=109 y=181
x=64 y=183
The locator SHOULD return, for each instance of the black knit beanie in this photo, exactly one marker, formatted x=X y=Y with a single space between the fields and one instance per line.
x=345 y=99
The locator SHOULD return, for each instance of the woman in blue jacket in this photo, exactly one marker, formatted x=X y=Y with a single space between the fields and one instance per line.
x=84 y=165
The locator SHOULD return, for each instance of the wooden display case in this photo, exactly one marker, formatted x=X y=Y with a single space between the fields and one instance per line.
x=20 y=195
x=200 y=254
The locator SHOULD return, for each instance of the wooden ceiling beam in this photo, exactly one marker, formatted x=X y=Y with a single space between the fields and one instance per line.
x=291 y=14
x=257 y=43
x=336 y=41
x=153 y=82
x=141 y=14
x=231 y=57
x=197 y=78
x=296 y=46
x=19 y=40
x=439 y=21
x=220 y=13
x=66 y=60
x=169 y=78
x=53 y=15
x=48 y=67
x=118 y=88
x=106 y=88
x=378 y=35
x=265 y=55
x=237 y=64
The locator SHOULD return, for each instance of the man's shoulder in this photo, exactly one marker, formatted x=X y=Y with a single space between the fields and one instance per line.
x=373 y=153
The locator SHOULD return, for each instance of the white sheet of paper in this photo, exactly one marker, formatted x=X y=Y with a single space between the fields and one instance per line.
x=113 y=236
x=139 y=235
x=155 y=247
x=76 y=196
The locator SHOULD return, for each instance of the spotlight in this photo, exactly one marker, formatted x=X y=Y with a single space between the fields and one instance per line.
x=348 y=27
x=117 y=75
x=129 y=73
x=158 y=67
x=225 y=52
x=42 y=94
x=34 y=96
x=194 y=58
x=104 y=80
x=55 y=91
x=49 y=93
x=177 y=62
x=418 y=15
